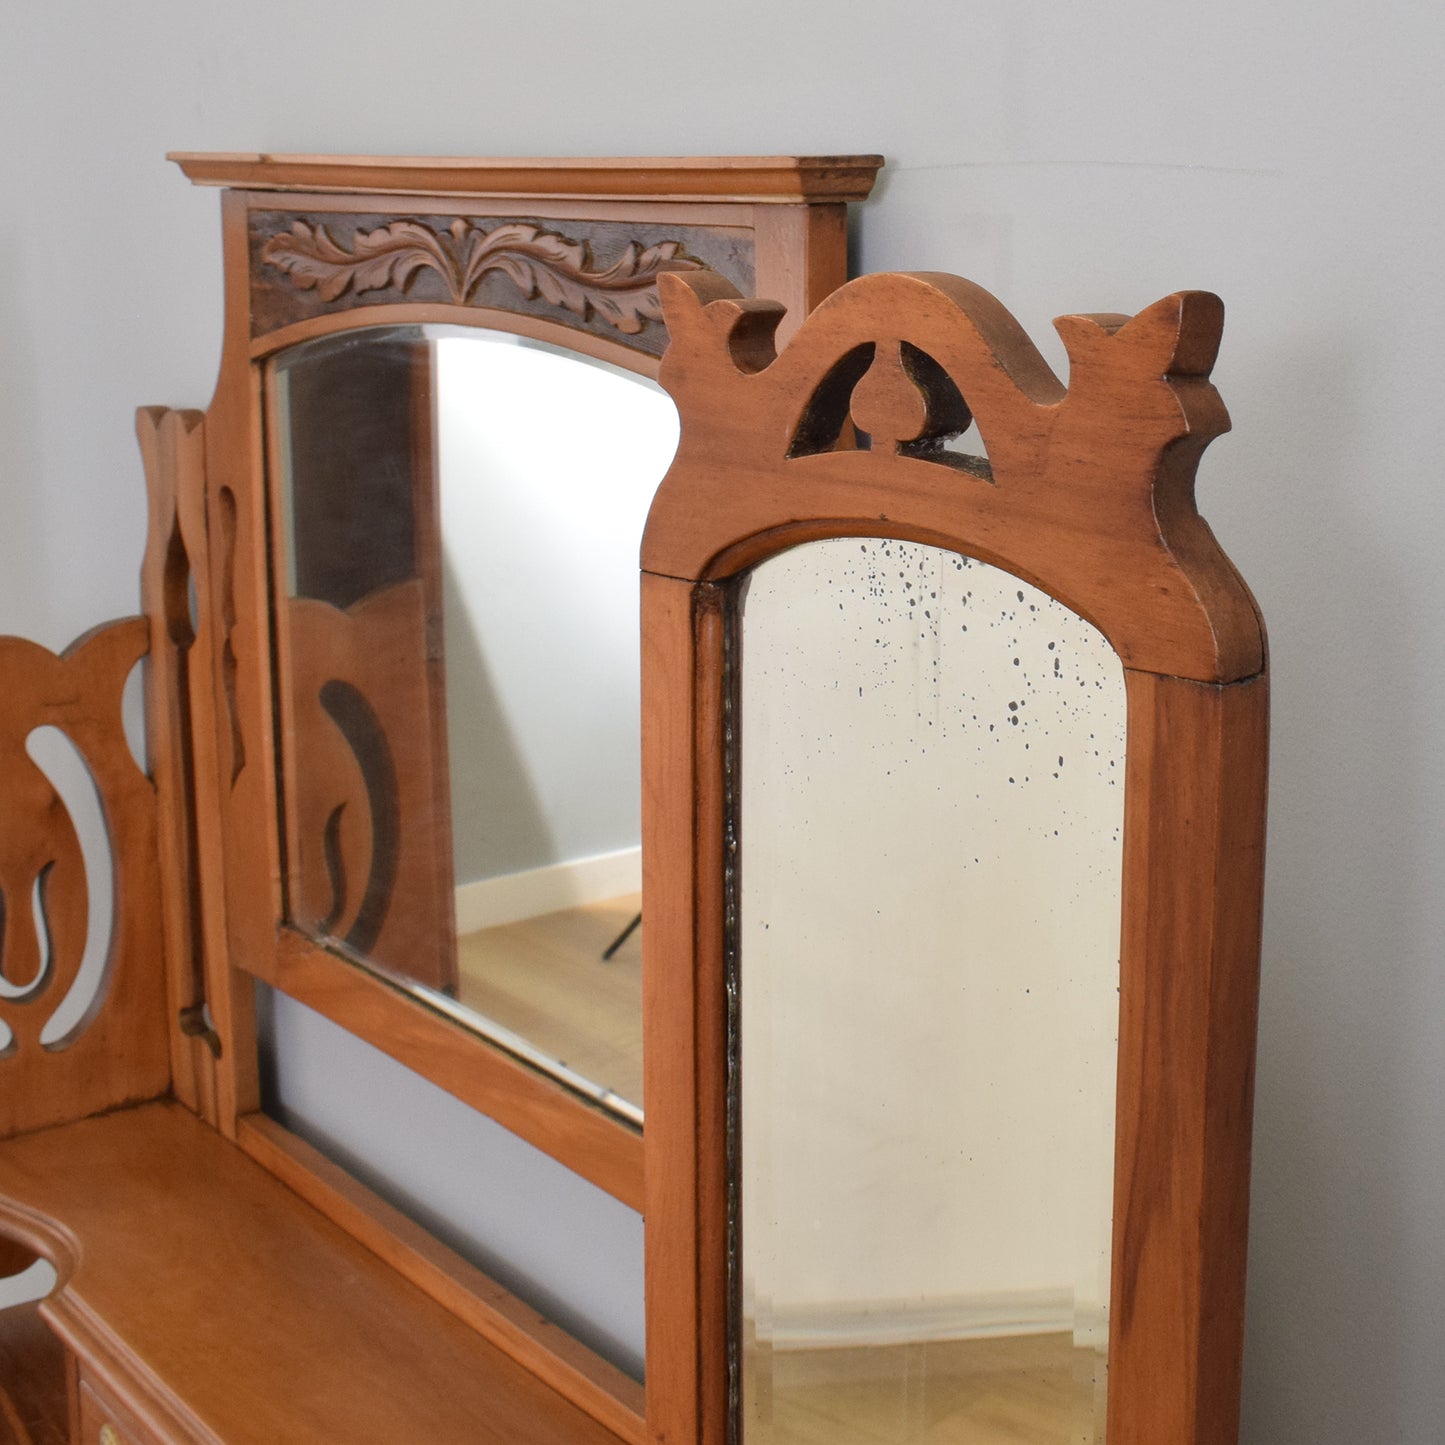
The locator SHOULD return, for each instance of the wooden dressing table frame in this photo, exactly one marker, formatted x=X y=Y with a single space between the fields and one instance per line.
x=219 y=1279
x=222 y=1282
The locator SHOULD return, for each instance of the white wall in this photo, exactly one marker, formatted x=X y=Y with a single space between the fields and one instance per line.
x=1068 y=156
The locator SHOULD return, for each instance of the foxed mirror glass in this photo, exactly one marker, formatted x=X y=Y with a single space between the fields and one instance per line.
x=456 y=632
x=930 y=805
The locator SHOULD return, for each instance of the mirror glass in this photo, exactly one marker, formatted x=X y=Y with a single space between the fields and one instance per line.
x=457 y=646
x=929 y=801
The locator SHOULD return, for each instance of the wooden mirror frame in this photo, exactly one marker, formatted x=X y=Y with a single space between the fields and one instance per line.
x=295 y=230
x=1088 y=494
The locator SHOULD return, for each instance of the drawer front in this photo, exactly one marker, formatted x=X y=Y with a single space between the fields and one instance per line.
x=103 y=1422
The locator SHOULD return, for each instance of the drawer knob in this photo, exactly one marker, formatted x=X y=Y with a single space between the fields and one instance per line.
x=110 y=1436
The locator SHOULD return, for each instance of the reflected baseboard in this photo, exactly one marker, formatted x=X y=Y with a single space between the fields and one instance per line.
x=492 y=902
x=850 y=1325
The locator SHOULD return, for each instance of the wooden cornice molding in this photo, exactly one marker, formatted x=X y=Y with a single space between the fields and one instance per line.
x=778 y=180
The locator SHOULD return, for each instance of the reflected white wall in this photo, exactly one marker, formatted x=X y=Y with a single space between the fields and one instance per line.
x=476 y=1186
x=931 y=813
x=548 y=464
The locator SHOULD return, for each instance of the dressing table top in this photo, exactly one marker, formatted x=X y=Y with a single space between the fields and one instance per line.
x=182 y=1261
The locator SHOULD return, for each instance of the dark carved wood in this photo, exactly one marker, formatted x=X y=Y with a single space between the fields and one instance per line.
x=600 y=277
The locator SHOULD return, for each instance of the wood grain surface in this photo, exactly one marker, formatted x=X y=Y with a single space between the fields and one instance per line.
x=214 y=1305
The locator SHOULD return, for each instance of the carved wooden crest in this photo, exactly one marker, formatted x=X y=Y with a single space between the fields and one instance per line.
x=1086 y=489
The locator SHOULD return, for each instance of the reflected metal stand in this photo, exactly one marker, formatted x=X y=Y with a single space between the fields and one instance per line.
x=620 y=939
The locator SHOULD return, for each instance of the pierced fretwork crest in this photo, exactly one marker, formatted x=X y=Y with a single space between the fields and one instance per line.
x=1087 y=489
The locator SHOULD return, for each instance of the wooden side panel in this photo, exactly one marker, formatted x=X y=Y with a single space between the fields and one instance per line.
x=1193 y=871
x=684 y=1009
x=370 y=862
x=239 y=793
x=117 y=1053
x=173 y=586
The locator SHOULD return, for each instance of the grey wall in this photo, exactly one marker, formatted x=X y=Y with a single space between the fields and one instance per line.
x=1068 y=156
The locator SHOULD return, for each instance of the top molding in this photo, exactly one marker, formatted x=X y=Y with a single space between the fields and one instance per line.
x=775 y=180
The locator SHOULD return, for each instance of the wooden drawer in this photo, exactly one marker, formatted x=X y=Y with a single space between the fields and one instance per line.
x=103 y=1422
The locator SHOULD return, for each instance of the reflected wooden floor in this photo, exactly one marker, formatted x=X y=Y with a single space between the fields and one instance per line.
x=1016 y=1390
x=544 y=978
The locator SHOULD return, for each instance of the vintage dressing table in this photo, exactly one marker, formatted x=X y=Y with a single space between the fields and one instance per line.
x=942 y=677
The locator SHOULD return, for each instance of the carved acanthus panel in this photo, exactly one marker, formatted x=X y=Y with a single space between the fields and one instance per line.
x=596 y=276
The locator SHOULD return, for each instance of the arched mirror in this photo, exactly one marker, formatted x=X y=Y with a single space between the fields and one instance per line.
x=954 y=773
x=458 y=674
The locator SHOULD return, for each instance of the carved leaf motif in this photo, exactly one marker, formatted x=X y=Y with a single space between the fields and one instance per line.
x=388 y=256
x=539 y=263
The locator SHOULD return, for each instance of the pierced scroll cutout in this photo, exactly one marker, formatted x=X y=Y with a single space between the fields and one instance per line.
x=353 y=685
x=51 y=894
x=23 y=990
x=364 y=899
x=227 y=505
x=897 y=397
x=69 y=1009
x=539 y=263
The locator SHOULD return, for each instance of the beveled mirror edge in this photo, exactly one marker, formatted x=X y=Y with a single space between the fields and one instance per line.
x=1195 y=776
x=209 y=490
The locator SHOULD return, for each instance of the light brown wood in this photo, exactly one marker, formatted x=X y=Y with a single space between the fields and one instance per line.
x=386 y=888
x=368 y=833
x=103 y=1420
x=768 y=179
x=1193 y=865
x=237 y=1312
x=1091 y=490
x=576 y=1132
x=685 y=748
x=173 y=448
x=34 y=1408
x=1088 y=494
x=138 y=1307
x=118 y=1052
x=600 y=1390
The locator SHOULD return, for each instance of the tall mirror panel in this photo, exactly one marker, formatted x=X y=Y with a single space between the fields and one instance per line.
x=928 y=790
x=456 y=632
